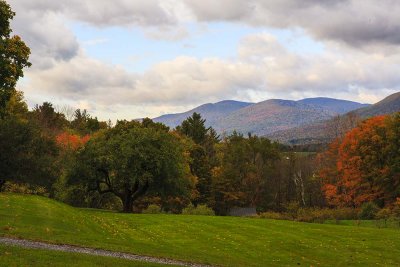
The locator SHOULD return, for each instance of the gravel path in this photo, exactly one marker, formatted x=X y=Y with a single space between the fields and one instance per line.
x=92 y=251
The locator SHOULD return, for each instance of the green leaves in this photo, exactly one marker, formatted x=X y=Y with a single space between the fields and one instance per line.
x=14 y=56
x=130 y=160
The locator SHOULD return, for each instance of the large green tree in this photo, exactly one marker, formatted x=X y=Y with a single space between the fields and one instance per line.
x=131 y=160
x=14 y=56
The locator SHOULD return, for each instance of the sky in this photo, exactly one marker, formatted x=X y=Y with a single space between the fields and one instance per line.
x=127 y=59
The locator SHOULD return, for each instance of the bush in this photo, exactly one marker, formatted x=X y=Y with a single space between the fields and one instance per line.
x=317 y=215
x=368 y=211
x=152 y=209
x=396 y=209
x=275 y=215
x=292 y=209
x=25 y=189
x=344 y=214
x=199 y=210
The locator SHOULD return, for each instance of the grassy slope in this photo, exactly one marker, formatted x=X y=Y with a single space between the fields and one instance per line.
x=225 y=241
x=14 y=256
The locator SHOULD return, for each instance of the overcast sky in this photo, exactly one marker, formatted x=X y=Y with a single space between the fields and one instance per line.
x=127 y=59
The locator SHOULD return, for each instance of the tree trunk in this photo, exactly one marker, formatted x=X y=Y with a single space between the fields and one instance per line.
x=127 y=202
x=2 y=182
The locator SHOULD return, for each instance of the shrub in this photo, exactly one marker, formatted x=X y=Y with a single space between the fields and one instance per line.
x=382 y=217
x=152 y=209
x=344 y=214
x=199 y=210
x=292 y=209
x=274 y=215
x=25 y=189
x=396 y=209
x=317 y=215
x=368 y=211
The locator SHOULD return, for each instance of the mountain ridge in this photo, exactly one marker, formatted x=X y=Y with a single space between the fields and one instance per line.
x=319 y=132
x=264 y=117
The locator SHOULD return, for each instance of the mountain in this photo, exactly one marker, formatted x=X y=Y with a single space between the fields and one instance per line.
x=334 y=105
x=321 y=131
x=270 y=116
x=388 y=105
x=210 y=112
x=265 y=117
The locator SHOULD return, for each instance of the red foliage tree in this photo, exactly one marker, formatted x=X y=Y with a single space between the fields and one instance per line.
x=360 y=167
x=71 y=141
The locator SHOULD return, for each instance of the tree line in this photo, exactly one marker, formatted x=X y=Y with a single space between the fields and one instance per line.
x=75 y=158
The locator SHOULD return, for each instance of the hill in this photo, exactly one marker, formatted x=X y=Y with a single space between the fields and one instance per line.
x=388 y=105
x=337 y=106
x=321 y=131
x=264 y=117
x=211 y=112
x=223 y=241
x=270 y=116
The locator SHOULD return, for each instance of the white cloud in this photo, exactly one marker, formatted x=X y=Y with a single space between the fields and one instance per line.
x=360 y=60
x=262 y=68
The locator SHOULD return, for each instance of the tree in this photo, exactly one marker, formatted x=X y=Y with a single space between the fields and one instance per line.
x=364 y=165
x=51 y=121
x=14 y=56
x=84 y=124
x=16 y=106
x=26 y=154
x=202 y=153
x=130 y=160
x=246 y=166
x=200 y=167
x=195 y=128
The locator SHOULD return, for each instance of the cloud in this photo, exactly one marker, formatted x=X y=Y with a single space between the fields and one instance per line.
x=263 y=68
x=105 y=13
x=357 y=23
x=83 y=78
x=47 y=36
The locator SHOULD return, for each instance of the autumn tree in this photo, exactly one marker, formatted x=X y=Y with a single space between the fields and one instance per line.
x=131 y=160
x=14 y=56
x=363 y=166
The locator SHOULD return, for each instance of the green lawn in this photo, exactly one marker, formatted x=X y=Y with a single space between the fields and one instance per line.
x=226 y=241
x=11 y=256
x=367 y=223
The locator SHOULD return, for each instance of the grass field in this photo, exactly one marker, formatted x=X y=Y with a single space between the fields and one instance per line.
x=11 y=256
x=225 y=241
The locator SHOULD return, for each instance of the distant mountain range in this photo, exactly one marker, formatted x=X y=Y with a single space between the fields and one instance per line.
x=319 y=131
x=211 y=112
x=283 y=120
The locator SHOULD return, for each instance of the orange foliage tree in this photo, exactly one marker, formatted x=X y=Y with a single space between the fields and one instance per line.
x=71 y=141
x=363 y=166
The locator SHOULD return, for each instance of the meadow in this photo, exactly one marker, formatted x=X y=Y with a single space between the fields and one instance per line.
x=216 y=240
x=12 y=256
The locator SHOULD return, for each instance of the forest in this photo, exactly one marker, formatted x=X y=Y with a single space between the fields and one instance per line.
x=134 y=165
x=144 y=166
